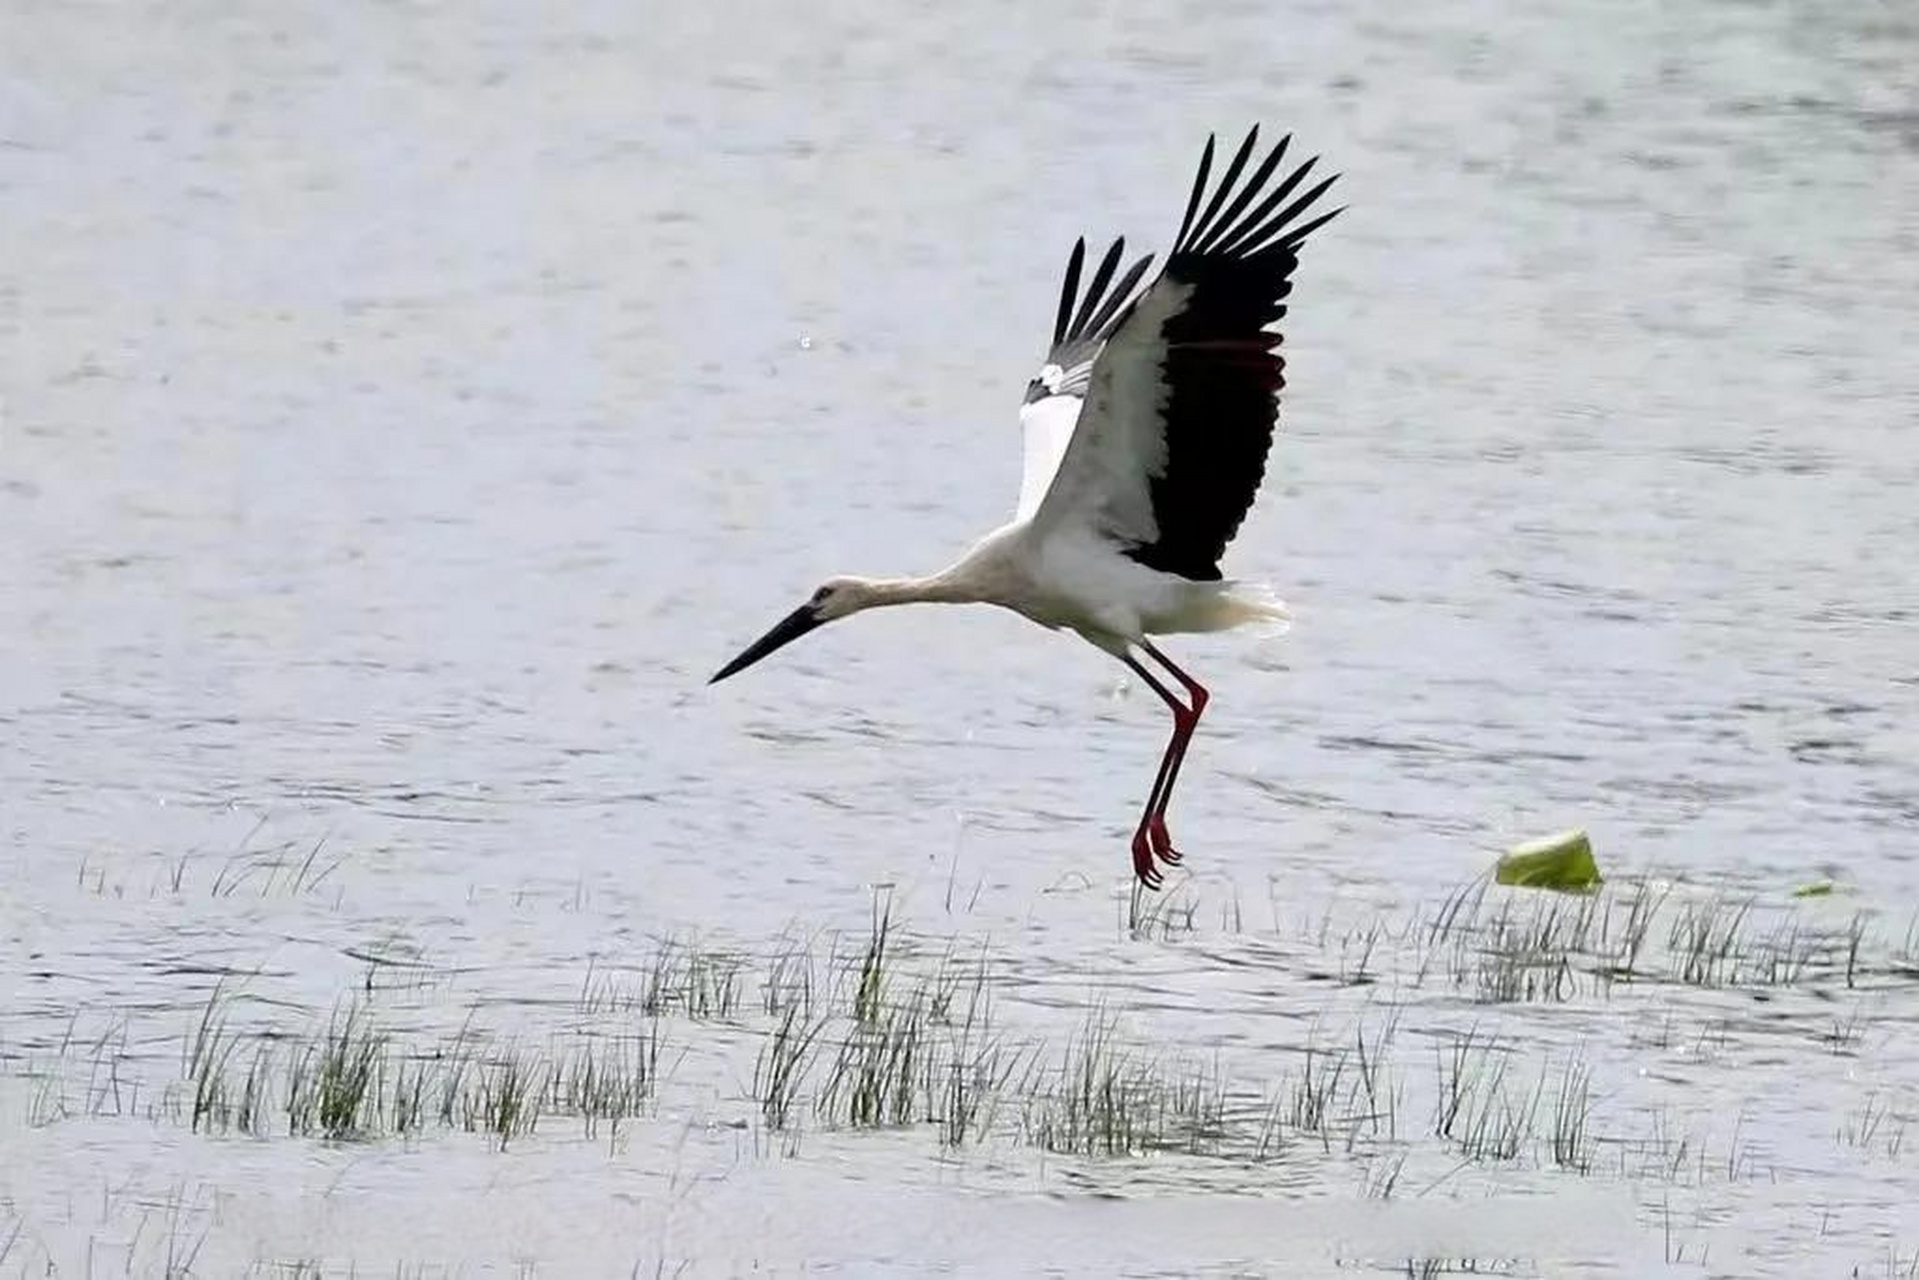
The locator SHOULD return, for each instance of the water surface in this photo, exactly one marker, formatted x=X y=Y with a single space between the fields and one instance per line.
x=405 y=411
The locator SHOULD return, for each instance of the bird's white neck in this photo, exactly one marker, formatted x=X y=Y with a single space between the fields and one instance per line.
x=944 y=587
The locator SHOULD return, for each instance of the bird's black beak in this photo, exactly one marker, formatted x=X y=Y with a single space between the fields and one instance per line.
x=785 y=632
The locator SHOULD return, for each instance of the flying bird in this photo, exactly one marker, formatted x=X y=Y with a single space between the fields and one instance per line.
x=1146 y=434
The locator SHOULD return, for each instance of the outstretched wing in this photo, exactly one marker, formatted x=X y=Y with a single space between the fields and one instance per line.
x=1180 y=388
x=1054 y=397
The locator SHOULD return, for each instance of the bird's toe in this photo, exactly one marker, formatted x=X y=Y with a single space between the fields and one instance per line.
x=1143 y=867
x=1162 y=843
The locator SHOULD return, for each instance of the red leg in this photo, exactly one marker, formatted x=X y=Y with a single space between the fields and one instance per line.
x=1150 y=840
x=1162 y=843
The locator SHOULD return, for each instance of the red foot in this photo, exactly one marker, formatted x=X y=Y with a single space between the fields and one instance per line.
x=1161 y=842
x=1143 y=860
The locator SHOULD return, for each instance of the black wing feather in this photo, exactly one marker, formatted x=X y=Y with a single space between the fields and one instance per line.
x=1103 y=323
x=1070 y=290
x=1074 y=335
x=1252 y=188
x=1101 y=278
x=1222 y=367
x=1199 y=189
x=1225 y=188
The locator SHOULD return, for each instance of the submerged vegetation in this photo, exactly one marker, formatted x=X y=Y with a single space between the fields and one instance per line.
x=884 y=1032
x=1410 y=1050
x=350 y=1079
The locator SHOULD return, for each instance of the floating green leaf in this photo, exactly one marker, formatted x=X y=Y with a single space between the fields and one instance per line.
x=1563 y=861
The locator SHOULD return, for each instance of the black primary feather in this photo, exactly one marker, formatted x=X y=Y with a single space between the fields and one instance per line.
x=1221 y=364
x=1099 y=309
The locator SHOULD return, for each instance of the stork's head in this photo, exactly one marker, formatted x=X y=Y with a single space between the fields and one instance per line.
x=836 y=598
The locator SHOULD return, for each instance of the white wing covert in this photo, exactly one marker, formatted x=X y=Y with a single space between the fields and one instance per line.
x=1179 y=403
x=1056 y=393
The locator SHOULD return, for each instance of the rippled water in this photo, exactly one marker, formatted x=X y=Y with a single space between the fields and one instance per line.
x=405 y=410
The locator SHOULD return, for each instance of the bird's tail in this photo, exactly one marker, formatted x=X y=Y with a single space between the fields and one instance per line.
x=1244 y=604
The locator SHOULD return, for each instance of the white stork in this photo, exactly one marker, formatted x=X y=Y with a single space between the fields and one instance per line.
x=1147 y=430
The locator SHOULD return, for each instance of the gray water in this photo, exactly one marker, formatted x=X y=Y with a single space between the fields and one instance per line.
x=405 y=410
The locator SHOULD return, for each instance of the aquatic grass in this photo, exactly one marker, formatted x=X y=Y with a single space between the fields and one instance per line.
x=351 y=1081
x=1167 y=915
x=1458 y=912
x=606 y=1081
x=1878 y=1125
x=1231 y=918
x=330 y=1082
x=287 y=870
x=1513 y=946
x=1373 y=1077
x=455 y=1067
x=871 y=985
x=1356 y=956
x=1191 y=1109
x=1571 y=1139
x=1456 y=1084
x=1900 y=1268
x=1382 y=1175
x=403 y=1093
x=1704 y=940
x=1106 y=1098
x=1270 y=1143
x=505 y=1104
x=969 y=1072
x=964 y=1092
x=912 y=1046
x=1098 y=1105
x=713 y=984
x=784 y=1057
x=106 y=1094
x=48 y=1103
x=701 y=983
x=911 y=1042
x=1311 y=1098
x=877 y=1069
x=282 y=871
x=1337 y=1093
x=1476 y=1110
x=1845 y=1033
x=948 y=981
x=789 y=981
x=208 y=1056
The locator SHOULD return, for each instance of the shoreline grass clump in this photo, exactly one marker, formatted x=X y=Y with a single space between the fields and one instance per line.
x=871 y=983
x=789 y=979
x=898 y=1034
x=1571 y=1139
x=607 y=1080
x=1098 y=1105
x=964 y=1089
x=700 y=983
x=209 y=1054
x=1476 y=1110
x=330 y=1081
x=506 y=1101
x=350 y=1080
x=784 y=1058
x=916 y=1058
x=1337 y=1094
x=692 y=980
x=876 y=1074
x=1107 y=1098
x=1510 y=946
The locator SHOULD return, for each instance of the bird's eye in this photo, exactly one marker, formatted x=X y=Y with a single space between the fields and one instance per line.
x=819 y=597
